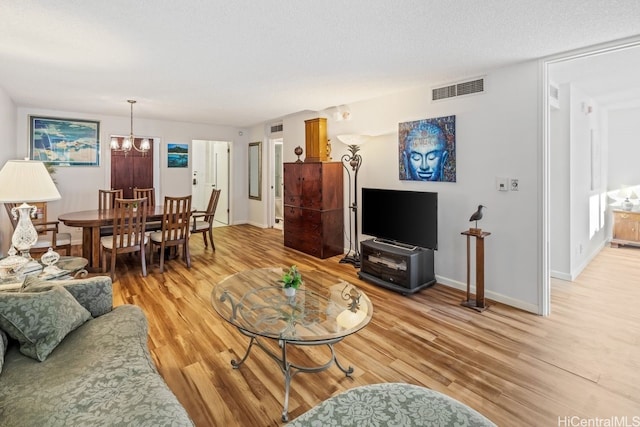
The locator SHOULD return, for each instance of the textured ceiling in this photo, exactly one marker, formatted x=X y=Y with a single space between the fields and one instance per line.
x=244 y=62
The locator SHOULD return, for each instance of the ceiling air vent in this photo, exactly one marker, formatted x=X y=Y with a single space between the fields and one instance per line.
x=276 y=128
x=458 y=89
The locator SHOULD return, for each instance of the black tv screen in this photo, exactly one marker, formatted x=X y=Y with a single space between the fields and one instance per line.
x=409 y=217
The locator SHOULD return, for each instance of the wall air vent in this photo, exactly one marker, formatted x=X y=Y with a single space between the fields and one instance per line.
x=443 y=92
x=276 y=128
x=458 y=89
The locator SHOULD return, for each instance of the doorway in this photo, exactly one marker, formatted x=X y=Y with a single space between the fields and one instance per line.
x=211 y=171
x=604 y=76
x=132 y=169
x=276 y=215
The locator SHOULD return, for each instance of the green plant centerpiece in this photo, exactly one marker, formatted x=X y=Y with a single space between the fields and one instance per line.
x=291 y=280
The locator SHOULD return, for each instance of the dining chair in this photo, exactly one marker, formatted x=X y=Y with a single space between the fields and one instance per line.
x=48 y=232
x=203 y=220
x=149 y=193
x=129 y=235
x=107 y=198
x=175 y=229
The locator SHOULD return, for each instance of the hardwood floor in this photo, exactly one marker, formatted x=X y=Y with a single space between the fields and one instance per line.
x=514 y=367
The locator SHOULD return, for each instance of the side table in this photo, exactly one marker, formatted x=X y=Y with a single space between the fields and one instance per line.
x=69 y=267
x=477 y=303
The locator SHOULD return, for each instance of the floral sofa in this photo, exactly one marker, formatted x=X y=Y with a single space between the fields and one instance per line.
x=391 y=404
x=68 y=358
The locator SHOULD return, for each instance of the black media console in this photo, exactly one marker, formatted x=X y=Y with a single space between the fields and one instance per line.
x=402 y=269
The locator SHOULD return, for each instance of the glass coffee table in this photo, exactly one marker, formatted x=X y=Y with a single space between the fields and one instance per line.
x=324 y=311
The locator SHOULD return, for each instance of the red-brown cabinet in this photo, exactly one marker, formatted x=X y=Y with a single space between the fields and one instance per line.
x=313 y=208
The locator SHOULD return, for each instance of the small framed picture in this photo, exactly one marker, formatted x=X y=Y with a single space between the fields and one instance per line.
x=64 y=142
x=177 y=155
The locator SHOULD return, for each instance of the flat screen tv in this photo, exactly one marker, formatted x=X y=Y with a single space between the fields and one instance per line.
x=398 y=216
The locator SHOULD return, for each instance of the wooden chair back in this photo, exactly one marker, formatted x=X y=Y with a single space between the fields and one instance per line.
x=203 y=220
x=213 y=205
x=175 y=228
x=107 y=198
x=38 y=218
x=149 y=193
x=175 y=218
x=129 y=222
x=49 y=236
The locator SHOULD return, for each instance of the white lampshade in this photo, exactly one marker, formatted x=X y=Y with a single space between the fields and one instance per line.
x=26 y=180
x=352 y=139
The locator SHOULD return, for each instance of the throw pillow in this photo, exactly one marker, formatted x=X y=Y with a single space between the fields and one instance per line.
x=40 y=320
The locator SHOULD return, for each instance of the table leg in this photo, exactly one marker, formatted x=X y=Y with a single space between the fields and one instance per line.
x=480 y=273
x=289 y=370
x=468 y=269
x=91 y=247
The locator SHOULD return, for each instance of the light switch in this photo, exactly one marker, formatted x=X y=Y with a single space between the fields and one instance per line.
x=502 y=184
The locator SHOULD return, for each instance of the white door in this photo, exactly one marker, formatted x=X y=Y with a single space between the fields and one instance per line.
x=221 y=179
x=276 y=184
x=211 y=171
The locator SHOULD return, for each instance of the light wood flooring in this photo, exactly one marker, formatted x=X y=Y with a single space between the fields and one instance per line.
x=514 y=367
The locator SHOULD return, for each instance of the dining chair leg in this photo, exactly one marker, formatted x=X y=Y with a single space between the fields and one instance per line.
x=104 y=260
x=162 y=258
x=113 y=265
x=143 y=259
x=186 y=254
x=204 y=237
x=213 y=245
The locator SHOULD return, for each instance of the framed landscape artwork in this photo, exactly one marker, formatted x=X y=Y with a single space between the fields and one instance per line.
x=64 y=142
x=177 y=155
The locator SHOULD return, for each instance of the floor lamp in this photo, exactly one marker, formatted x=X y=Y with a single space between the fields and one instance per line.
x=22 y=181
x=354 y=160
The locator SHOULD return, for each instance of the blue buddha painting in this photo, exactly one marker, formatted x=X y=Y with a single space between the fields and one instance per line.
x=427 y=149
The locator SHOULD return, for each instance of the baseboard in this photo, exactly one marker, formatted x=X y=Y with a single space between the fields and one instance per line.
x=522 y=305
x=577 y=271
x=560 y=275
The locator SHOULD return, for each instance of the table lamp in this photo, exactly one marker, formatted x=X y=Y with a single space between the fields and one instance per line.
x=22 y=181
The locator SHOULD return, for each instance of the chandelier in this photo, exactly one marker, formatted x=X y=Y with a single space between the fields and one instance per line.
x=129 y=141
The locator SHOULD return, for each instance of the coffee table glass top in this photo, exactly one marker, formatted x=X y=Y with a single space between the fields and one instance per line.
x=323 y=308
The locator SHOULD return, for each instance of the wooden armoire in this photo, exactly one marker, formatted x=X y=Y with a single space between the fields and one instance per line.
x=313 y=208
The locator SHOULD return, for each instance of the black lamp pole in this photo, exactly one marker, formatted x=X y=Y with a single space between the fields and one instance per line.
x=354 y=160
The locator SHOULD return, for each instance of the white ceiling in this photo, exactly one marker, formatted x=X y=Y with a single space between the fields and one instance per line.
x=241 y=62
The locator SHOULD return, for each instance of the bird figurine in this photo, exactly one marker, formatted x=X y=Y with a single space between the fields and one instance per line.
x=477 y=215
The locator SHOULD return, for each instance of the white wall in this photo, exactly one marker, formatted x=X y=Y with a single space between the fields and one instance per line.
x=7 y=152
x=559 y=188
x=497 y=136
x=583 y=245
x=624 y=148
x=78 y=185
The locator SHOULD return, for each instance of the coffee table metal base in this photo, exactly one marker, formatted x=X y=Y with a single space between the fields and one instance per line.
x=289 y=370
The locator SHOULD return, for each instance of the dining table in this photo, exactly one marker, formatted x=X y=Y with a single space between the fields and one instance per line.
x=91 y=221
